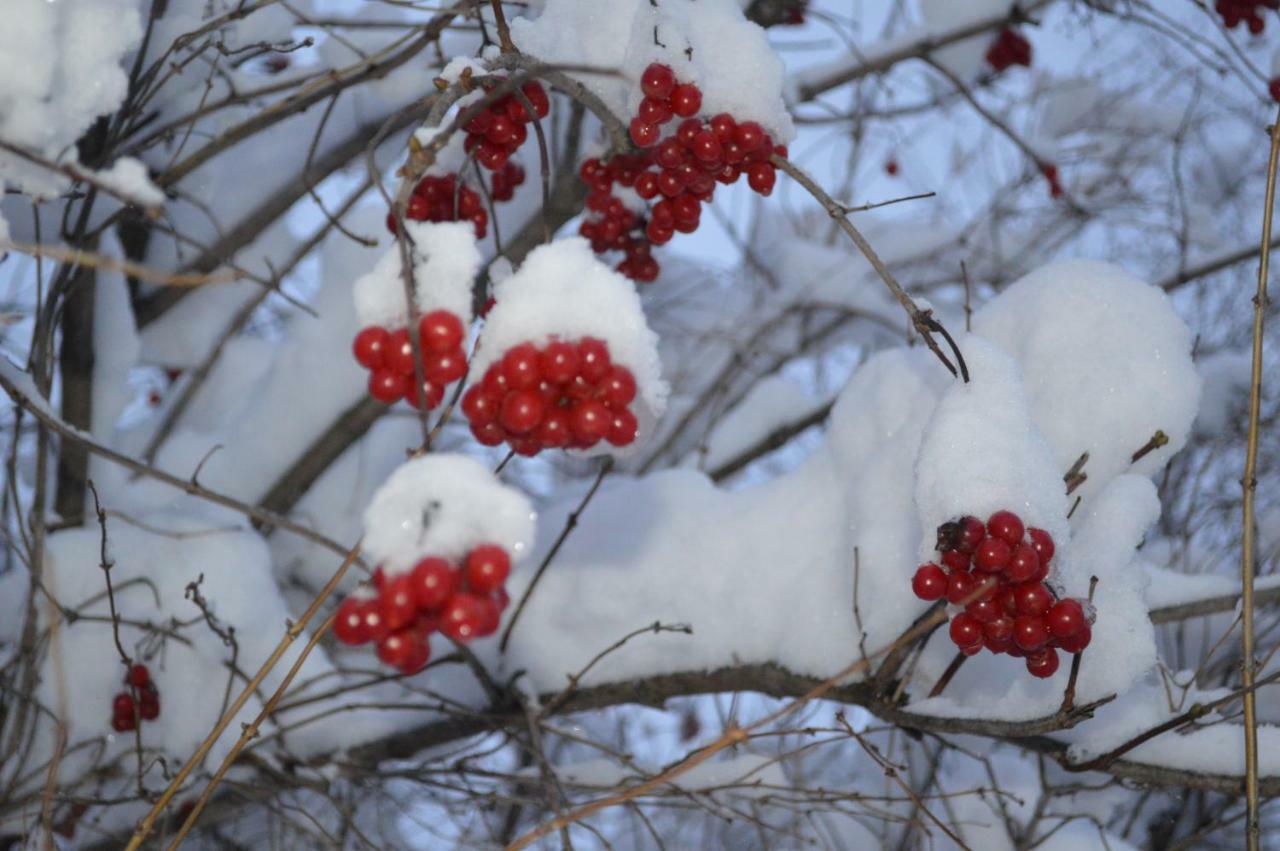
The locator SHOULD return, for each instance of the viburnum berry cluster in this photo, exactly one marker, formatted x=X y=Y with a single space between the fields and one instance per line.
x=1000 y=569
x=680 y=171
x=388 y=355
x=1234 y=12
x=505 y=181
x=126 y=713
x=1009 y=48
x=561 y=395
x=441 y=198
x=495 y=133
x=462 y=601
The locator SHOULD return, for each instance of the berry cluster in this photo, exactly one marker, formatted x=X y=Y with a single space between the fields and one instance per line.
x=125 y=712
x=494 y=134
x=505 y=181
x=563 y=395
x=1000 y=569
x=388 y=355
x=462 y=602
x=1009 y=48
x=681 y=171
x=1234 y=12
x=1050 y=172
x=442 y=198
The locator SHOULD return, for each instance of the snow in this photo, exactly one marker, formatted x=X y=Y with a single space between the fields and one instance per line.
x=771 y=403
x=1226 y=376
x=115 y=347
x=706 y=42
x=60 y=68
x=563 y=291
x=965 y=58
x=1105 y=360
x=128 y=179
x=445 y=262
x=444 y=505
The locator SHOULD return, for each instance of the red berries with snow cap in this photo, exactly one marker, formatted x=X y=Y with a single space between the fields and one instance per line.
x=388 y=355
x=1008 y=607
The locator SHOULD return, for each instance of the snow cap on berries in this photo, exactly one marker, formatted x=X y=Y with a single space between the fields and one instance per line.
x=445 y=263
x=562 y=291
x=444 y=505
x=982 y=453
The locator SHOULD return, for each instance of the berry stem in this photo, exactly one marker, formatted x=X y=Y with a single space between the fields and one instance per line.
x=948 y=674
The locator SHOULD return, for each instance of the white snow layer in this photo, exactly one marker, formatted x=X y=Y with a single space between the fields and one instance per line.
x=445 y=262
x=444 y=505
x=706 y=42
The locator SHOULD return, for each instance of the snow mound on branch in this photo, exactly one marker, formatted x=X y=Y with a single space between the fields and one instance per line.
x=562 y=290
x=445 y=262
x=706 y=42
x=773 y=402
x=1106 y=362
x=444 y=505
x=128 y=178
x=59 y=70
x=982 y=453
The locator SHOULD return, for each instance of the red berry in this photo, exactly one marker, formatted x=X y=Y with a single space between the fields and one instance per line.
x=495 y=381
x=686 y=100
x=618 y=388
x=521 y=367
x=123 y=723
x=1066 y=618
x=398 y=355
x=1043 y=663
x=490 y=617
x=891 y=167
x=960 y=586
x=750 y=135
x=643 y=133
x=970 y=535
x=462 y=616
x=488 y=566
x=445 y=368
x=1006 y=526
x=654 y=111
x=1023 y=564
x=761 y=177
x=348 y=623
x=999 y=630
x=369 y=346
x=1042 y=543
x=558 y=362
x=397 y=601
x=407 y=651
x=432 y=582
x=647 y=185
x=375 y=625
x=685 y=133
x=431 y=394
x=593 y=359
x=984 y=611
x=479 y=407
x=488 y=434
x=149 y=706
x=1032 y=598
x=589 y=421
x=387 y=386
x=1079 y=641
x=1030 y=633
x=537 y=97
x=724 y=127
x=929 y=583
x=622 y=428
x=992 y=555
x=706 y=146
x=122 y=704
x=521 y=411
x=440 y=331
x=554 y=432
x=1273 y=88
x=965 y=631
x=658 y=81
x=955 y=560
x=138 y=676
x=491 y=156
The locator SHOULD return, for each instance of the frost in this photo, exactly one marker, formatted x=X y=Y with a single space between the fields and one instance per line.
x=444 y=505
x=445 y=262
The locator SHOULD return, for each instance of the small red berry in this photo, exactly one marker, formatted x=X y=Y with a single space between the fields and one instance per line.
x=971 y=534
x=1023 y=564
x=122 y=704
x=654 y=111
x=593 y=359
x=960 y=586
x=589 y=421
x=999 y=630
x=686 y=100
x=1273 y=88
x=622 y=428
x=1079 y=641
x=618 y=388
x=1066 y=618
x=433 y=582
x=992 y=555
x=984 y=610
x=658 y=81
x=1032 y=598
x=398 y=354
x=348 y=623
x=724 y=127
x=431 y=394
x=750 y=135
x=929 y=583
x=488 y=434
x=445 y=368
x=1043 y=663
x=558 y=362
x=706 y=146
x=399 y=607
x=521 y=411
x=1042 y=542
x=488 y=566
x=123 y=723
x=369 y=345
x=1006 y=526
x=138 y=676
x=965 y=631
x=149 y=706
x=387 y=386
x=521 y=366
x=554 y=432
x=440 y=331
x=407 y=651
x=643 y=133
x=375 y=625
x=462 y=616
x=761 y=177
x=955 y=560
x=891 y=168
x=1030 y=633
x=479 y=407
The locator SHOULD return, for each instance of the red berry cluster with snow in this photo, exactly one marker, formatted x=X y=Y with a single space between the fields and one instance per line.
x=1248 y=12
x=462 y=601
x=440 y=198
x=561 y=395
x=389 y=357
x=498 y=131
x=680 y=170
x=998 y=571
x=444 y=533
x=1009 y=48
x=139 y=702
